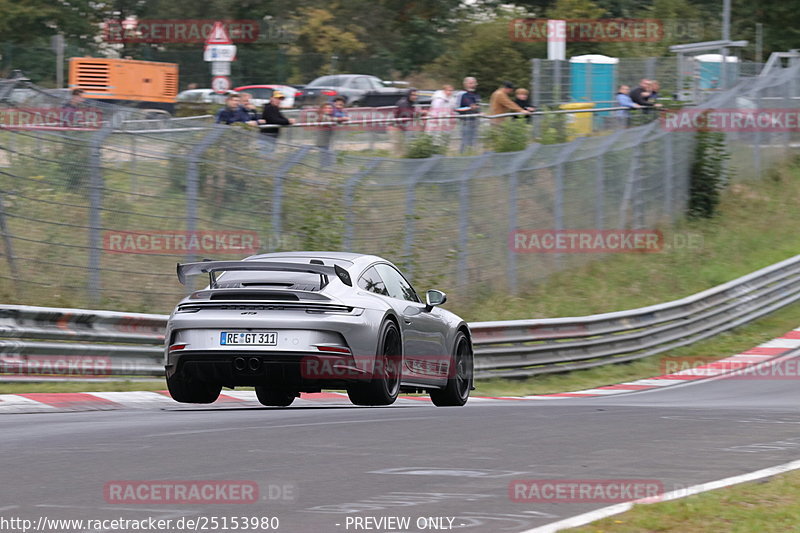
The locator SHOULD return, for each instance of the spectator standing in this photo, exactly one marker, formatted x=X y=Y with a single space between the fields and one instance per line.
x=339 y=111
x=443 y=104
x=624 y=100
x=249 y=109
x=406 y=113
x=501 y=102
x=232 y=112
x=271 y=115
x=69 y=110
x=469 y=103
x=522 y=99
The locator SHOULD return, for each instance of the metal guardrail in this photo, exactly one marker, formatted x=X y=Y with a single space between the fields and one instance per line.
x=131 y=343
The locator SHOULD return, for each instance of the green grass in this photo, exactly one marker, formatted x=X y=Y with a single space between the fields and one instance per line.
x=767 y=506
x=717 y=347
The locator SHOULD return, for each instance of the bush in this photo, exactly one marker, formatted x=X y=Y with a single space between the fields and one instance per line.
x=511 y=135
x=709 y=173
x=425 y=145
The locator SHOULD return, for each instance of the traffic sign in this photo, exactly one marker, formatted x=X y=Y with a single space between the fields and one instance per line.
x=218 y=35
x=220 y=52
x=220 y=68
x=220 y=84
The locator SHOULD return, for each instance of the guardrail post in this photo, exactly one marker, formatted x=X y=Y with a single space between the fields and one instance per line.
x=411 y=196
x=96 y=187
x=463 y=216
x=193 y=179
x=349 y=193
x=277 y=193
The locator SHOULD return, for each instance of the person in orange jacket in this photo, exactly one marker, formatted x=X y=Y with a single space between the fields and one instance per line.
x=501 y=102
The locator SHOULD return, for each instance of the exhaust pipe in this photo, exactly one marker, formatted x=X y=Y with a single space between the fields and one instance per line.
x=239 y=364
x=254 y=363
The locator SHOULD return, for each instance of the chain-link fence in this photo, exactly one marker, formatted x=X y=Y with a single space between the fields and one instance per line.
x=594 y=80
x=99 y=217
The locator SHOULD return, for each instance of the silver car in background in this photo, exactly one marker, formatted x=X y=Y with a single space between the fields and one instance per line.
x=294 y=322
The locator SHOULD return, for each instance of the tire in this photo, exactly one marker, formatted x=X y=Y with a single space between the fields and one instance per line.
x=459 y=381
x=275 y=396
x=384 y=386
x=191 y=391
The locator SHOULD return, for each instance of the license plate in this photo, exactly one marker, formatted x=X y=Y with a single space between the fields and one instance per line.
x=267 y=338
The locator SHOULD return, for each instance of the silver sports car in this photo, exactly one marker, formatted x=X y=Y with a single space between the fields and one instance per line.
x=294 y=322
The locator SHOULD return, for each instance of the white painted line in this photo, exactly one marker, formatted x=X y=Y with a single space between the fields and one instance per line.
x=128 y=397
x=14 y=400
x=781 y=343
x=656 y=382
x=599 y=391
x=605 y=512
x=246 y=395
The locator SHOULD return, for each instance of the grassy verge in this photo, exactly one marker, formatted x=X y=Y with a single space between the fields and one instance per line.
x=720 y=346
x=769 y=506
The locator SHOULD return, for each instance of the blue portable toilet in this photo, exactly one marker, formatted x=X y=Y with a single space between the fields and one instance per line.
x=592 y=78
x=709 y=70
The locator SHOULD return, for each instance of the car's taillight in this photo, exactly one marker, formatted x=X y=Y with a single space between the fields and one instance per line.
x=298 y=93
x=330 y=93
x=334 y=349
x=175 y=347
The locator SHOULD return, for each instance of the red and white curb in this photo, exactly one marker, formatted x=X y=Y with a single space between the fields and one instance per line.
x=98 y=401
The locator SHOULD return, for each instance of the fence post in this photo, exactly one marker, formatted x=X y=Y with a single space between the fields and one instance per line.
x=411 y=196
x=463 y=216
x=556 y=81
x=630 y=184
x=589 y=81
x=669 y=178
x=600 y=180
x=536 y=81
x=96 y=187
x=757 y=140
x=9 y=248
x=513 y=179
x=277 y=195
x=193 y=178
x=349 y=187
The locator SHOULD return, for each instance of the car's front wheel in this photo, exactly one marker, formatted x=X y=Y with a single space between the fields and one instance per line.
x=192 y=391
x=384 y=383
x=275 y=396
x=459 y=375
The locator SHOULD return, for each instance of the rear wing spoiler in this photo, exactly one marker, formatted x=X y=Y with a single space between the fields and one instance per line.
x=212 y=267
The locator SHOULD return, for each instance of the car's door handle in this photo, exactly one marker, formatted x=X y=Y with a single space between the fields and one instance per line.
x=407 y=321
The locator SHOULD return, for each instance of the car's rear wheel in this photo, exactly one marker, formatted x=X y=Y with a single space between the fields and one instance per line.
x=192 y=391
x=459 y=375
x=384 y=385
x=275 y=396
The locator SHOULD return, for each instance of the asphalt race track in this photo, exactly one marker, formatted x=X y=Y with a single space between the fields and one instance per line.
x=320 y=469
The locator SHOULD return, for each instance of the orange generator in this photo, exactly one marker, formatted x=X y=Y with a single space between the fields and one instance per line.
x=147 y=85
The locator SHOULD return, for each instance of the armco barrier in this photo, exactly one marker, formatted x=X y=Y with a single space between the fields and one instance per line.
x=132 y=343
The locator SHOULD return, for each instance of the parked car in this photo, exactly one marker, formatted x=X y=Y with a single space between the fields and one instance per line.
x=357 y=89
x=200 y=96
x=292 y=322
x=262 y=93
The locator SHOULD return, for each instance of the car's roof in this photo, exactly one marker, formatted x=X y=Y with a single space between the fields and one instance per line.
x=354 y=258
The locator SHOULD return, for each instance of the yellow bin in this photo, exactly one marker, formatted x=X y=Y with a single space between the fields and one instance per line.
x=578 y=124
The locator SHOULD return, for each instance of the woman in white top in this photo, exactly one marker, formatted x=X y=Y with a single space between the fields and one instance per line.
x=443 y=104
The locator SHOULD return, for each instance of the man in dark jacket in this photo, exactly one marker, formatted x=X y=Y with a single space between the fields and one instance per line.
x=469 y=103
x=232 y=112
x=272 y=116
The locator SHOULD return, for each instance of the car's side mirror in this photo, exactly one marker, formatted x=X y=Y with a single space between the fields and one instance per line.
x=434 y=298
